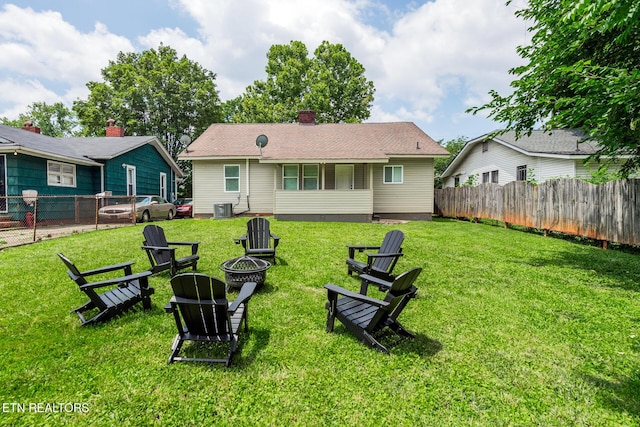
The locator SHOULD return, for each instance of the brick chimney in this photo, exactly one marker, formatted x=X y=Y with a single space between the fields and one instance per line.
x=307 y=117
x=113 y=130
x=29 y=127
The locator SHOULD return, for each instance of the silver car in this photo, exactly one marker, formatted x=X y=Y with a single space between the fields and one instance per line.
x=147 y=208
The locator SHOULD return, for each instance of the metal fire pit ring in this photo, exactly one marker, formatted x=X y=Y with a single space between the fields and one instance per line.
x=238 y=271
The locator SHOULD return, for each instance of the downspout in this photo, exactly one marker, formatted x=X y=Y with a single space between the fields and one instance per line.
x=175 y=185
x=248 y=185
x=370 y=168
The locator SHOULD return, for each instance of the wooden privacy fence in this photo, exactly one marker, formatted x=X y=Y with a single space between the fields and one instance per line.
x=609 y=212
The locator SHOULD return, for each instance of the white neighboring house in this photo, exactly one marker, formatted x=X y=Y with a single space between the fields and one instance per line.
x=541 y=156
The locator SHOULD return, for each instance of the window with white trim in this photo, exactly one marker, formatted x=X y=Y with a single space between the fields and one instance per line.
x=521 y=173
x=490 y=177
x=163 y=185
x=290 y=177
x=131 y=180
x=393 y=174
x=61 y=174
x=231 y=178
x=310 y=176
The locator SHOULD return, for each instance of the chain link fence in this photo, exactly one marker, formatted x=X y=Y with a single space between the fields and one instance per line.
x=31 y=217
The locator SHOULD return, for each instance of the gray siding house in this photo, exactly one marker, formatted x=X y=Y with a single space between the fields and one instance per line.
x=318 y=172
x=543 y=155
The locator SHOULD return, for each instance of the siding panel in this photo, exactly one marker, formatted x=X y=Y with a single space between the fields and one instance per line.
x=323 y=202
x=414 y=195
x=208 y=186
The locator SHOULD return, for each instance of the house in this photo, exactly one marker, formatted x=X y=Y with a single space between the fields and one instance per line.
x=317 y=172
x=122 y=165
x=541 y=156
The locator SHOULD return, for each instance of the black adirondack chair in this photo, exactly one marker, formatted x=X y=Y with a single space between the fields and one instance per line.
x=202 y=313
x=367 y=317
x=381 y=263
x=162 y=256
x=123 y=292
x=258 y=240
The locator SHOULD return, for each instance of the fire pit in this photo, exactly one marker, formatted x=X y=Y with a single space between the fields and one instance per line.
x=238 y=271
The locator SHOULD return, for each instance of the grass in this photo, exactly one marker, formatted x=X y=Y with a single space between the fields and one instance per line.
x=513 y=329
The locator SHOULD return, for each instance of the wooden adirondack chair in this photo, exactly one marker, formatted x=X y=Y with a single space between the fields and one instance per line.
x=123 y=293
x=381 y=263
x=202 y=313
x=162 y=256
x=366 y=317
x=257 y=241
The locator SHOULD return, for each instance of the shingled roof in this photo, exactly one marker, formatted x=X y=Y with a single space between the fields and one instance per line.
x=88 y=151
x=557 y=141
x=291 y=142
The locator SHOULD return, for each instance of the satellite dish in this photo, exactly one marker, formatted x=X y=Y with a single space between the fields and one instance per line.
x=261 y=141
x=185 y=140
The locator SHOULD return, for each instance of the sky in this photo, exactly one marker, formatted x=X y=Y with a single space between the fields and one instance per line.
x=429 y=60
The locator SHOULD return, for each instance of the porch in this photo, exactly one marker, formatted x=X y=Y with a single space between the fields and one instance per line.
x=324 y=205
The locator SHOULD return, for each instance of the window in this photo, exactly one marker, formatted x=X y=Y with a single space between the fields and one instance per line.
x=131 y=180
x=491 y=177
x=163 y=185
x=393 y=174
x=521 y=173
x=456 y=181
x=290 y=177
x=231 y=178
x=61 y=174
x=310 y=175
x=485 y=146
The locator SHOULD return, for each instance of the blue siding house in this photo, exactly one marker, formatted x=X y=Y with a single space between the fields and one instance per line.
x=122 y=165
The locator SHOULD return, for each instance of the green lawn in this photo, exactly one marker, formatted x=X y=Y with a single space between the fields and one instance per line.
x=513 y=329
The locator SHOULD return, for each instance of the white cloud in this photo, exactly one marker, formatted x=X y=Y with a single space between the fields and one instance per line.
x=448 y=43
x=236 y=35
x=46 y=46
x=418 y=61
x=41 y=52
x=24 y=92
x=440 y=47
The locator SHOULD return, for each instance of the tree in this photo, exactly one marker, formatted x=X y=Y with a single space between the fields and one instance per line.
x=152 y=93
x=453 y=146
x=582 y=71
x=332 y=83
x=339 y=90
x=53 y=120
